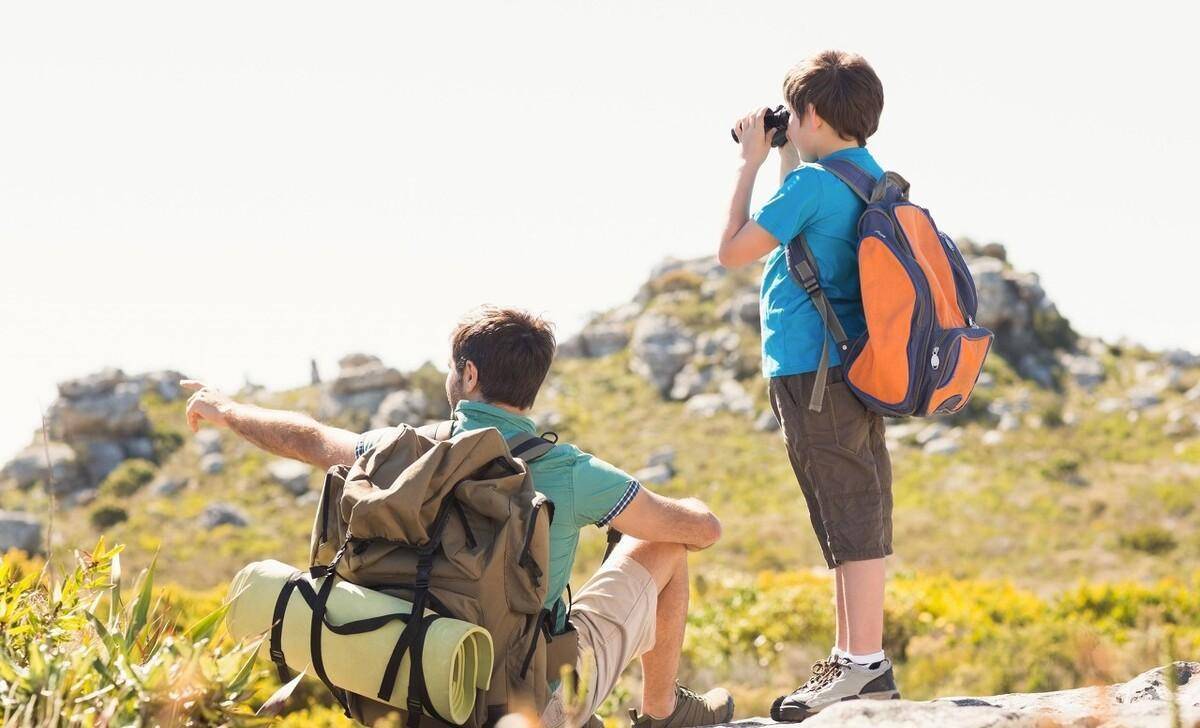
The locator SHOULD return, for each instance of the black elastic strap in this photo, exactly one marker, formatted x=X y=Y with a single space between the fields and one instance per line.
x=276 y=648
x=462 y=517
x=613 y=538
x=318 y=621
x=541 y=629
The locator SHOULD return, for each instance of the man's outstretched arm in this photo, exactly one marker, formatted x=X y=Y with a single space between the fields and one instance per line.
x=288 y=434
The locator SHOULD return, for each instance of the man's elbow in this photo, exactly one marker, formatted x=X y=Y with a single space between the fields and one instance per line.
x=727 y=259
x=710 y=531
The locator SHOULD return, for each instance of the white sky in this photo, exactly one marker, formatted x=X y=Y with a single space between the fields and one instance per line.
x=233 y=188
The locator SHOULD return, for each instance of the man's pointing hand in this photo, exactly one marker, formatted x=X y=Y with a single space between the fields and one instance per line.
x=205 y=403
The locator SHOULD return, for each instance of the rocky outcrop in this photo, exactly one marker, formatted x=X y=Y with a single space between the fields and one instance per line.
x=661 y=347
x=1143 y=702
x=362 y=384
x=20 y=530
x=96 y=423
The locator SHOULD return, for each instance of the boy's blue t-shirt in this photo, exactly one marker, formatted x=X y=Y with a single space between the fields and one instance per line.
x=813 y=201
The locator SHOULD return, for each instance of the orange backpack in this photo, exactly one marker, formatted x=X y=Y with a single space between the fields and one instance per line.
x=922 y=351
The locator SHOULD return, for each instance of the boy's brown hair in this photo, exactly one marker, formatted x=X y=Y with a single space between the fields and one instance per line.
x=844 y=90
x=512 y=350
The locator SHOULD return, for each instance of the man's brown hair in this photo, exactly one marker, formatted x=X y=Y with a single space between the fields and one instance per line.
x=512 y=350
x=844 y=90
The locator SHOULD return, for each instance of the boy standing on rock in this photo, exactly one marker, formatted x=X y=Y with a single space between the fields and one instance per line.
x=838 y=454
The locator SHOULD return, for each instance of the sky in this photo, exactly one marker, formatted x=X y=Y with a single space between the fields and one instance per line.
x=232 y=189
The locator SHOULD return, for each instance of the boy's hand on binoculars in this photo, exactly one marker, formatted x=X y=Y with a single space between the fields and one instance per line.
x=752 y=134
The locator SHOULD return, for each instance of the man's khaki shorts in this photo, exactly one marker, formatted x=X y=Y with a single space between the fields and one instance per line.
x=614 y=614
x=841 y=460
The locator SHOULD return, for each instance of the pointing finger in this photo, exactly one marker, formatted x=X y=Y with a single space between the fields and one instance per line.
x=191 y=384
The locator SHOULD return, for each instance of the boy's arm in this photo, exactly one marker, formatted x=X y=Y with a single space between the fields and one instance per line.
x=745 y=241
x=287 y=434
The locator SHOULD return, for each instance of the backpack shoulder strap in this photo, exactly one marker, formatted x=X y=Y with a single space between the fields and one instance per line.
x=437 y=431
x=802 y=264
x=856 y=178
x=529 y=447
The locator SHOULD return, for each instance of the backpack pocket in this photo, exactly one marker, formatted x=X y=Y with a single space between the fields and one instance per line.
x=955 y=363
x=527 y=563
x=968 y=297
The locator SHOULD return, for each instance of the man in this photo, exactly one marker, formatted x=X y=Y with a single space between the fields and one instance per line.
x=635 y=605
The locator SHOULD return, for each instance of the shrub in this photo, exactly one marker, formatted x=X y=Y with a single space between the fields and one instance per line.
x=128 y=478
x=104 y=517
x=71 y=652
x=1150 y=539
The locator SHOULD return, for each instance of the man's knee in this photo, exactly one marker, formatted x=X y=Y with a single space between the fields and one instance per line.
x=663 y=560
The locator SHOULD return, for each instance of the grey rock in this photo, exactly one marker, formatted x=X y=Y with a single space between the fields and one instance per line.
x=1009 y=422
x=223 y=514
x=91 y=385
x=742 y=309
x=292 y=475
x=736 y=398
x=942 y=446
x=403 y=407
x=111 y=413
x=662 y=456
x=1142 y=702
x=100 y=457
x=363 y=372
x=602 y=338
x=691 y=380
x=994 y=250
x=208 y=441
x=20 y=530
x=139 y=447
x=1087 y=371
x=29 y=466
x=314 y=372
x=1182 y=358
x=654 y=474
x=1143 y=398
x=766 y=422
x=705 y=405
x=168 y=485
x=212 y=463
x=1109 y=405
x=1193 y=394
x=164 y=383
x=661 y=347
x=992 y=438
x=931 y=432
x=1032 y=366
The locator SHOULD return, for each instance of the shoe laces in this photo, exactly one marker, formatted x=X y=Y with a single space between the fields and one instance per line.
x=823 y=673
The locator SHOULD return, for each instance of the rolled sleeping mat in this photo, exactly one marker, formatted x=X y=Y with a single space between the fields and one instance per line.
x=456 y=659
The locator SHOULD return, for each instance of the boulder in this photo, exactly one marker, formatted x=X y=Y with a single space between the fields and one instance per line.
x=691 y=380
x=1142 y=702
x=164 y=383
x=100 y=457
x=661 y=347
x=110 y=413
x=742 y=309
x=363 y=372
x=223 y=514
x=91 y=385
x=766 y=422
x=654 y=475
x=29 y=466
x=212 y=463
x=705 y=405
x=1087 y=371
x=208 y=441
x=168 y=485
x=931 y=432
x=20 y=530
x=942 y=446
x=294 y=476
x=403 y=407
x=598 y=339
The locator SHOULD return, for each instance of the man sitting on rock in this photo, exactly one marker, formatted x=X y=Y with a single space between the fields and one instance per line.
x=636 y=604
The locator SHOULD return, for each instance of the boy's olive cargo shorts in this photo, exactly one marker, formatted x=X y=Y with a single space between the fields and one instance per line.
x=841 y=460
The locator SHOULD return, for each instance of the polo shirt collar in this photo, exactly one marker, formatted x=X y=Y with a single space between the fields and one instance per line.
x=847 y=152
x=482 y=414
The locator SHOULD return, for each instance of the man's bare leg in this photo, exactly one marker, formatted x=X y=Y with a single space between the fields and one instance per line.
x=667 y=564
x=863 y=588
x=842 y=636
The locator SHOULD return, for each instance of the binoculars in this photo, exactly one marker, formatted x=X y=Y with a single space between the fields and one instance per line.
x=775 y=120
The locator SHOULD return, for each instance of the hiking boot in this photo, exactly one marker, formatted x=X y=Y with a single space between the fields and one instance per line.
x=836 y=680
x=691 y=709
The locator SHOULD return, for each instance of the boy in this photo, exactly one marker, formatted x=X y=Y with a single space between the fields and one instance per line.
x=838 y=453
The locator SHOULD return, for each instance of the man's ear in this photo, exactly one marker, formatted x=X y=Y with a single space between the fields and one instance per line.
x=469 y=379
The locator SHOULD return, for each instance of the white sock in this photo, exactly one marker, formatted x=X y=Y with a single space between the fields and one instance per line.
x=839 y=653
x=867 y=659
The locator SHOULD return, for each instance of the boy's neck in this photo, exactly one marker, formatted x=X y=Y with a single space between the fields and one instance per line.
x=837 y=146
